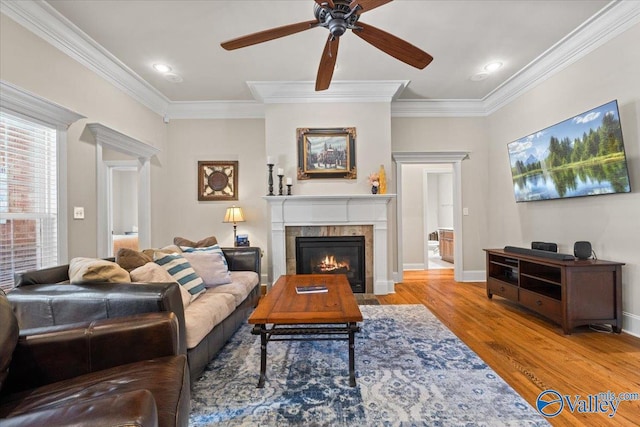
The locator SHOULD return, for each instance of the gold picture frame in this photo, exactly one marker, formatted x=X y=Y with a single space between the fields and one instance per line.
x=217 y=180
x=326 y=153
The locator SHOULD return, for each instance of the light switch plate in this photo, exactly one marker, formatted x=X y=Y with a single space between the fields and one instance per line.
x=78 y=212
x=465 y=211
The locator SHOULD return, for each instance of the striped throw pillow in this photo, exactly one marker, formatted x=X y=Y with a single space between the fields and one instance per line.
x=213 y=248
x=182 y=272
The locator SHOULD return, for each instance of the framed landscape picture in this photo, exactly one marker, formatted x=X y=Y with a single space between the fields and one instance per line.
x=580 y=156
x=217 y=180
x=326 y=153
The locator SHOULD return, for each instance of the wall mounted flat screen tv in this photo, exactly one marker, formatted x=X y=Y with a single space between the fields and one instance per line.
x=581 y=156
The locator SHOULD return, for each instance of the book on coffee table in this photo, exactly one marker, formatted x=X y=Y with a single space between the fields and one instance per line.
x=314 y=289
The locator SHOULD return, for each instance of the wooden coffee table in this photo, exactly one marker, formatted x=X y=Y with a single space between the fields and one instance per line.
x=285 y=315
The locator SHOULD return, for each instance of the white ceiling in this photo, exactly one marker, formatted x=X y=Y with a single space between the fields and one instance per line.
x=462 y=36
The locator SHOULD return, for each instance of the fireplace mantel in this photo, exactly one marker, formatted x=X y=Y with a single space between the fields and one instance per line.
x=323 y=210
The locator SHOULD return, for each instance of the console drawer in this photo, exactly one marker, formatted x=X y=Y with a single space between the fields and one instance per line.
x=546 y=306
x=505 y=290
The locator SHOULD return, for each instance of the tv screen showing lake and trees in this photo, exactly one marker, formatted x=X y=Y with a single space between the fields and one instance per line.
x=581 y=156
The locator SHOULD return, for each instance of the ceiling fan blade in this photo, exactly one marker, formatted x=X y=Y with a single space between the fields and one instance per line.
x=266 y=35
x=392 y=45
x=367 y=5
x=327 y=63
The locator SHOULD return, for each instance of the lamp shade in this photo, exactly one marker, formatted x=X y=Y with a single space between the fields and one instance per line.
x=233 y=214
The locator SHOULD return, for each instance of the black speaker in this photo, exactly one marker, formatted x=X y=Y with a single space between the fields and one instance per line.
x=582 y=250
x=544 y=246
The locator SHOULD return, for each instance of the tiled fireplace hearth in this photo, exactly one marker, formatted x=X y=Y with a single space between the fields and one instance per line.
x=337 y=215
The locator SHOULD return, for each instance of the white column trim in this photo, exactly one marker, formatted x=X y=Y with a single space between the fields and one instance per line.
x=455 y=158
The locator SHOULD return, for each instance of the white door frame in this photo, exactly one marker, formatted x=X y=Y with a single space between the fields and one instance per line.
x=455 y=158
x=112 y=139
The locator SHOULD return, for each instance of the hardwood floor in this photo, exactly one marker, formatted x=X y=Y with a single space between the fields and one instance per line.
x=528 y=351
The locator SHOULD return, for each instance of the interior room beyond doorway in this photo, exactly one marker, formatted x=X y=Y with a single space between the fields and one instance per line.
x=427 y=222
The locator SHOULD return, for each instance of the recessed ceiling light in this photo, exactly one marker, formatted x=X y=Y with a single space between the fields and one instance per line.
x=492 y=66
x=161 y=68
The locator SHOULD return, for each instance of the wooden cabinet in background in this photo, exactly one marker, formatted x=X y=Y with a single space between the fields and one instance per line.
x=446 y=244
x=571 y=293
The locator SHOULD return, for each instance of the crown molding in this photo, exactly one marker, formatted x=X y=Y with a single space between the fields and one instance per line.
x=438 y=108
x=120 y=142
x=215 y=110
x=43 y=20
x=19 y=101
x=288 y=92
x=612 y=20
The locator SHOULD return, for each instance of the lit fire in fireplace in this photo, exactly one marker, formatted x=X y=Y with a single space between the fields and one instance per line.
x=329 y=264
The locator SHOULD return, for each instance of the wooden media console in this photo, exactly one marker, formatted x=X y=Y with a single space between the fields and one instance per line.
x=571 y=293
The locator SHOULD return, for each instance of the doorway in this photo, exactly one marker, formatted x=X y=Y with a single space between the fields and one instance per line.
x=454 y=160
x=108 y=139
x=122 y=205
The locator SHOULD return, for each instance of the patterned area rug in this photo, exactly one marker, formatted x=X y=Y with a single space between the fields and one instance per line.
x=410 y=370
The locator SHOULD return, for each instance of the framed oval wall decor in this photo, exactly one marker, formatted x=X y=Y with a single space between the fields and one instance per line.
x=217 y=180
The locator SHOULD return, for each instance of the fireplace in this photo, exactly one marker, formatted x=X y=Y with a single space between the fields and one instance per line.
x=331 y=215
x=333 y=255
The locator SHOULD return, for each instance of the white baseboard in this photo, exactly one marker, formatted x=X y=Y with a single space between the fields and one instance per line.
x=474 y=276
x=631 y=324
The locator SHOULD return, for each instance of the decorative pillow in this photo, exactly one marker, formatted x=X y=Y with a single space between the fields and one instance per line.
x=153 y=273
x=210 y=266
x=182 y=272
x=96 y=270
x=171 y=249
x=130 y=259
x=212 y=248
x=207 y=241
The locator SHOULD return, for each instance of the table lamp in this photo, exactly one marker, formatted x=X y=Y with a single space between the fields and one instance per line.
x=234 y=215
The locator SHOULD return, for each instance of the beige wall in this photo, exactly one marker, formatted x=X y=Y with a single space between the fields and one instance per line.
x=413 y=213
x=611 y=223
x=455 y=134
x=373 y=140
x=176 y=210
x=32 y=64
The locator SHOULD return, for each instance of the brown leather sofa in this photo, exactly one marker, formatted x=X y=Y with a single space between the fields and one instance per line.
x=40 y=300
x=113 y=372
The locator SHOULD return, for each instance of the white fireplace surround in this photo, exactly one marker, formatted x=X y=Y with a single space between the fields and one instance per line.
x=325 y=210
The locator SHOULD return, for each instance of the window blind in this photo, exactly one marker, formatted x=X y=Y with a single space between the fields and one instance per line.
x=28 y=197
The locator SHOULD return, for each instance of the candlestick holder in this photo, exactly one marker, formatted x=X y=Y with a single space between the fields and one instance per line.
x=280 y=186
x=270 y=166
x=288 y=189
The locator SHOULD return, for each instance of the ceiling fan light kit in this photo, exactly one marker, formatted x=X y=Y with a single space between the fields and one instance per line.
x=338 y=16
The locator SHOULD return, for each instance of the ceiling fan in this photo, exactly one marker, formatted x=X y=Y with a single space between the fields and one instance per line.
x=338 y=16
